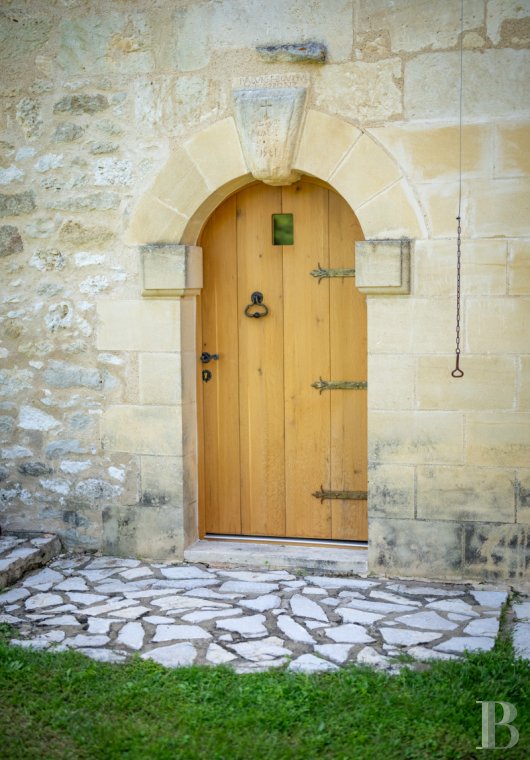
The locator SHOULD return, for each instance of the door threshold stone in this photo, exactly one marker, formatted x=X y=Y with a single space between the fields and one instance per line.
x=328 y=560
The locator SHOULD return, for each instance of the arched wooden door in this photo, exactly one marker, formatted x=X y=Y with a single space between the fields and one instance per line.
x=270 y=439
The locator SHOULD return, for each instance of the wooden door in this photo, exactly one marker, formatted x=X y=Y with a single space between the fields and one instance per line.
x=270 y=440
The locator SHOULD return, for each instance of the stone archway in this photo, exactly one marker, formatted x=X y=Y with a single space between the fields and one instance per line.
x=159 y=326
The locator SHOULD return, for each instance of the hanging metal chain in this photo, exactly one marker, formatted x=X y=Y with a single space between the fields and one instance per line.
x=457 y=372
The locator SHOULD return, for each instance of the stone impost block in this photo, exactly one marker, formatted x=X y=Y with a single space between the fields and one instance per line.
x=465 y=493
x=488 y=383
x=498 y=325
x=146 y=532
x=268 y=122
x=134 y=429
x=217 y=152
x=171 y=270
x=416 y=548
x=391 y=490
x=150 y=325
x=498 y=439
x=415 y=437
x=382 y=266
x=324 y=142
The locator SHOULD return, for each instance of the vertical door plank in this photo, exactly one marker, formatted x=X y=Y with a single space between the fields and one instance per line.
x=221 y=394
x=306 y=314
x=348 y=362
x=261 y=365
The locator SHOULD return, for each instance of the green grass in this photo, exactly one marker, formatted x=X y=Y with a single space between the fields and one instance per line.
x=65 y=706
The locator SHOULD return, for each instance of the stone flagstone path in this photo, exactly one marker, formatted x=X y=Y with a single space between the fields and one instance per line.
x=109 y=608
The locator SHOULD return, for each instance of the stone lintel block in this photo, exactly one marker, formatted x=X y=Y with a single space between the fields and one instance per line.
x=171 y=270
x=143 y=429
x=496 y=551
x=415 y=548
x=146 y=532
x=383 y=266
x=136 y=325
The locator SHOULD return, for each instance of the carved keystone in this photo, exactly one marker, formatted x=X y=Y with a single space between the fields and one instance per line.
x=268 y=122
x=383 y=266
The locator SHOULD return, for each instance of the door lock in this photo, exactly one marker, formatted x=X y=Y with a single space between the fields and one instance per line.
x=206 y=357
x=206 y=376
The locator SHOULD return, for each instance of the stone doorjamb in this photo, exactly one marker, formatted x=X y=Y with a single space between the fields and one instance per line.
x=160 y=325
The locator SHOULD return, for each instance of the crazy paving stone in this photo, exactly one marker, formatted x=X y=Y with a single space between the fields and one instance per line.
x=403 y=637
x=174 y=632
x=83 y=640
x=452 y=605
x=250 y=576
x=14 y=595
x=43 y=580
x=293 y=630
x=314 y=591
x=349 y=633
x=423 y=653
x=370 y=656
x=336 y=652
x=202 y=615
x=463 y=643
x=309 y=663
x=173 y=656
x=72 y=584
x=350 y=615
x=301 y=606
x=39 y=601
x=131 y=635
x=493 y=599
x=521 y=610
x=136 y=572
x=40 y=642
x=247 y=587
x=104 y=609
x=262 y=650
x=249 y=627
x=401 y=588
x=217 y=655
x=185 y=573
x=130 y=613
x=158 y=620
x=98 y=625
x=11 y=619
x=521 y=640
x=386 y=597
x=208 y=593
x=330 y=582
x=483 y=627
x=262 y=603
x=61 y=622
x=187 y=603
x=81 y=598
x=427 y=620
x=384 y=608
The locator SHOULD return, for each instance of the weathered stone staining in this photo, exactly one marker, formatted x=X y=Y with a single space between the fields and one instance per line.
x=109 y=608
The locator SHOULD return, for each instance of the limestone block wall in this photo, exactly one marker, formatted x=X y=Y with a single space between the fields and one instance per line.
x=117 y=131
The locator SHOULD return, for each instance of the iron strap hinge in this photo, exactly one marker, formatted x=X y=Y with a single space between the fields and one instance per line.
x=321 y=273
x=349 y=385
x=341 y=495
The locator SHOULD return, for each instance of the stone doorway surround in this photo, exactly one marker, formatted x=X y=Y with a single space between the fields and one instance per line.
x=159 y=327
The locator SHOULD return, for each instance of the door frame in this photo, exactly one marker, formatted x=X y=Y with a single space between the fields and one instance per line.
x=201 y=473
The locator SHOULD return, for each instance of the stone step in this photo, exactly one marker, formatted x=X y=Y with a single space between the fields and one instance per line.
x=324 y=559
x=21 y=552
